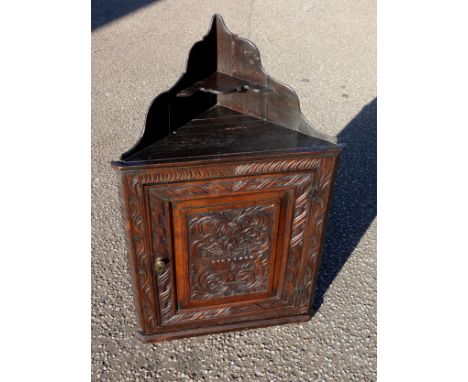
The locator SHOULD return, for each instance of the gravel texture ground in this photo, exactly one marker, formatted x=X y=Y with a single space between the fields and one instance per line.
x=326 y=51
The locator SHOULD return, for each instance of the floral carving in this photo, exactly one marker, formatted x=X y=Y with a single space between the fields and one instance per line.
x=140 y=258
x=225 y=170
x=229 y=251
x=316 y=235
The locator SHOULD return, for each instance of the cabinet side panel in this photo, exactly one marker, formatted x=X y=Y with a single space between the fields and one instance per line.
x=140 y=259
x=316 y=230
x=131 y=261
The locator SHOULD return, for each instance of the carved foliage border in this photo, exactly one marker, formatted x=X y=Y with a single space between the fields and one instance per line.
x=141 y=256
x=316 y=230
x=127 y=225
x=178 y=174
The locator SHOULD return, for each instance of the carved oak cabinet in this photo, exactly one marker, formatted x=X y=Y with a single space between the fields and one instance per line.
x=224 y=198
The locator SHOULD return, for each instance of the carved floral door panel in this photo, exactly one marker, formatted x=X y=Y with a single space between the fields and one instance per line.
x=227 y=248
x=233 y=246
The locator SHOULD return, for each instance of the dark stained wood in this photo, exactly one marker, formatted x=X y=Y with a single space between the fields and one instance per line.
x=234 y=134
x=221 y=63
x=225 y=198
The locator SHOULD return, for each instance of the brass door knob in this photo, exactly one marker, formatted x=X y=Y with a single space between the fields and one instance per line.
x=160 y=266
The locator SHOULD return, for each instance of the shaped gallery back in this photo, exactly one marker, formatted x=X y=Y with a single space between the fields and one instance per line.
x=224 y=198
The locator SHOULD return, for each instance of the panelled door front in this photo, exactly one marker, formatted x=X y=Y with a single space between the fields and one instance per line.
x=230 y=249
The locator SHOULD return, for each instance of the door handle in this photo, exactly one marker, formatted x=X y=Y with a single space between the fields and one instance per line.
x=160 y=265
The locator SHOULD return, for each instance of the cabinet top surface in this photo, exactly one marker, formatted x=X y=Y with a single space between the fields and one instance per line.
x=224 y=132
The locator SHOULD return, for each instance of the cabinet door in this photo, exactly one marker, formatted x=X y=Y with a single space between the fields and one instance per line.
x=231 y=249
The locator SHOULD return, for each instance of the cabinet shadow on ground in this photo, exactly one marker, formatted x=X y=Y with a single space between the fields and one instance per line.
x=106 y=11
x=354 y=203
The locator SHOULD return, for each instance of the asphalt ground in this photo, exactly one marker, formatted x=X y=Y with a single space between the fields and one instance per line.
x=326 y=51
